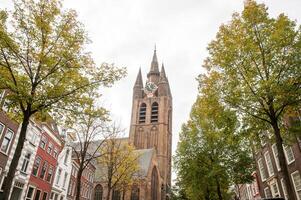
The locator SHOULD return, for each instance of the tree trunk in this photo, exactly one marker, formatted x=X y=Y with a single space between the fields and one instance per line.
x=218 y=188
x=78 y=182
x=282 y=161
x=14 y=163
x=108 y=194
x=238 y=191
x=123 y=194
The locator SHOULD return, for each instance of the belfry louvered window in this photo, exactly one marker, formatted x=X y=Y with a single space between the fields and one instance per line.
x=155 y=112
x=142 y=113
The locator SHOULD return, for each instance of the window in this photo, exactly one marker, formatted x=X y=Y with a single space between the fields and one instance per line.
x=284 y=189
x=155 y=109
x=2 y=92
x=269 y=163
x=37 y=196
x=262 y=170
x=25 y=162
x=289 y=154
x=50 y=172
x=36 y=166
x=7 y=105
x=297 y=183
x=43 y=171
x=43 y=142
x=98 y=192
x=142 y=113
x=65 y=178
x=45 y=196
x=55 y=153
x=7 y=141
x=30 y=192
x=116 y=195
x=275 y=190
x=1 y=128
x=154 y=184
x=135 y=193
x=70 y=187
x=267 y=193
x=66 y=156
x=275 y=153
x=58 y=176
x=49 y=148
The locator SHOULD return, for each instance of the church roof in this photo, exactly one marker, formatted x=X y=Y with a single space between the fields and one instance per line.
x=144 y=160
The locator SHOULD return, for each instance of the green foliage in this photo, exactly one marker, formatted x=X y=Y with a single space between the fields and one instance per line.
x=45 y=68
x=43 y=62
x=258 y=59
x=211 y=153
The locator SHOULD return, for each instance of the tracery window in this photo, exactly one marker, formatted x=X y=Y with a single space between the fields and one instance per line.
x=155 y=112
x=98 y=192
x=135 y=193
x=142 y=113
x=154 y=184
x=116 y=195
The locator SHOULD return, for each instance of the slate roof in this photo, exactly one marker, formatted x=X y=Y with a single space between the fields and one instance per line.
x=144 y=161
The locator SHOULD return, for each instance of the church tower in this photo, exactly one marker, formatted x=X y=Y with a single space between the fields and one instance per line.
x=151 y=120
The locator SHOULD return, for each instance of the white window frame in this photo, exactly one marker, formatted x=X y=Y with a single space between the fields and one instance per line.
x=25 y=162
x=33 y=192
x=50 y=145
x=55 y=152
x=2 y=131
x=43 y=195
x=261 y=169
x=285 y=152
x=10 y=141
x=269 y=163
x=276 y=156
x=65 y=179
x=58 y=177
x=274 y=194
x=2 y=92
x=265 y=192
x=43 y=139
x=296 y=191
x=284 y=189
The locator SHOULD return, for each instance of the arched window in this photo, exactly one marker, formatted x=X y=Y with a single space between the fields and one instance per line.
x=155 y=112
x=98 y=192
x=116 y=195
x=142 y=113
x=154 y=184
x=135 y=193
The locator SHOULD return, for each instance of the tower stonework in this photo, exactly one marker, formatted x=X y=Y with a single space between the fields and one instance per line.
x=151 y=120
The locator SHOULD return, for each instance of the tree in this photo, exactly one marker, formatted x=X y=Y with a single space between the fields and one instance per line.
x=118 y=163
x=258 y=58
x=44 y=65
x=88 y=123
x=211 y=154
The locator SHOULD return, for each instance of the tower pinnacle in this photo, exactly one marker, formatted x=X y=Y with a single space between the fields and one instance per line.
x=139 y=81
x=154 y=70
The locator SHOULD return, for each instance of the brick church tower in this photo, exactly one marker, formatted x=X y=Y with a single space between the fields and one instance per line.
x=151 y=120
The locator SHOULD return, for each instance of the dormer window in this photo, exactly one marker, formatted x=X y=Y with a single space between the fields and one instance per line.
x=142 y=113
x=155 y=112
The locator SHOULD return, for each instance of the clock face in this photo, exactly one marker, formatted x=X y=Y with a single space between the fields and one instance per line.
x=150 y=88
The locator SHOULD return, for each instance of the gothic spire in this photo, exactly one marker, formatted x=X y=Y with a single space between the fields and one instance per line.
x=154 y=65
x=163 y=85
x=162 y=74
x=139 y=81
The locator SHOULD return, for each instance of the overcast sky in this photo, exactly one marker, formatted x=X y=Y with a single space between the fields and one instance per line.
x=124 y=32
